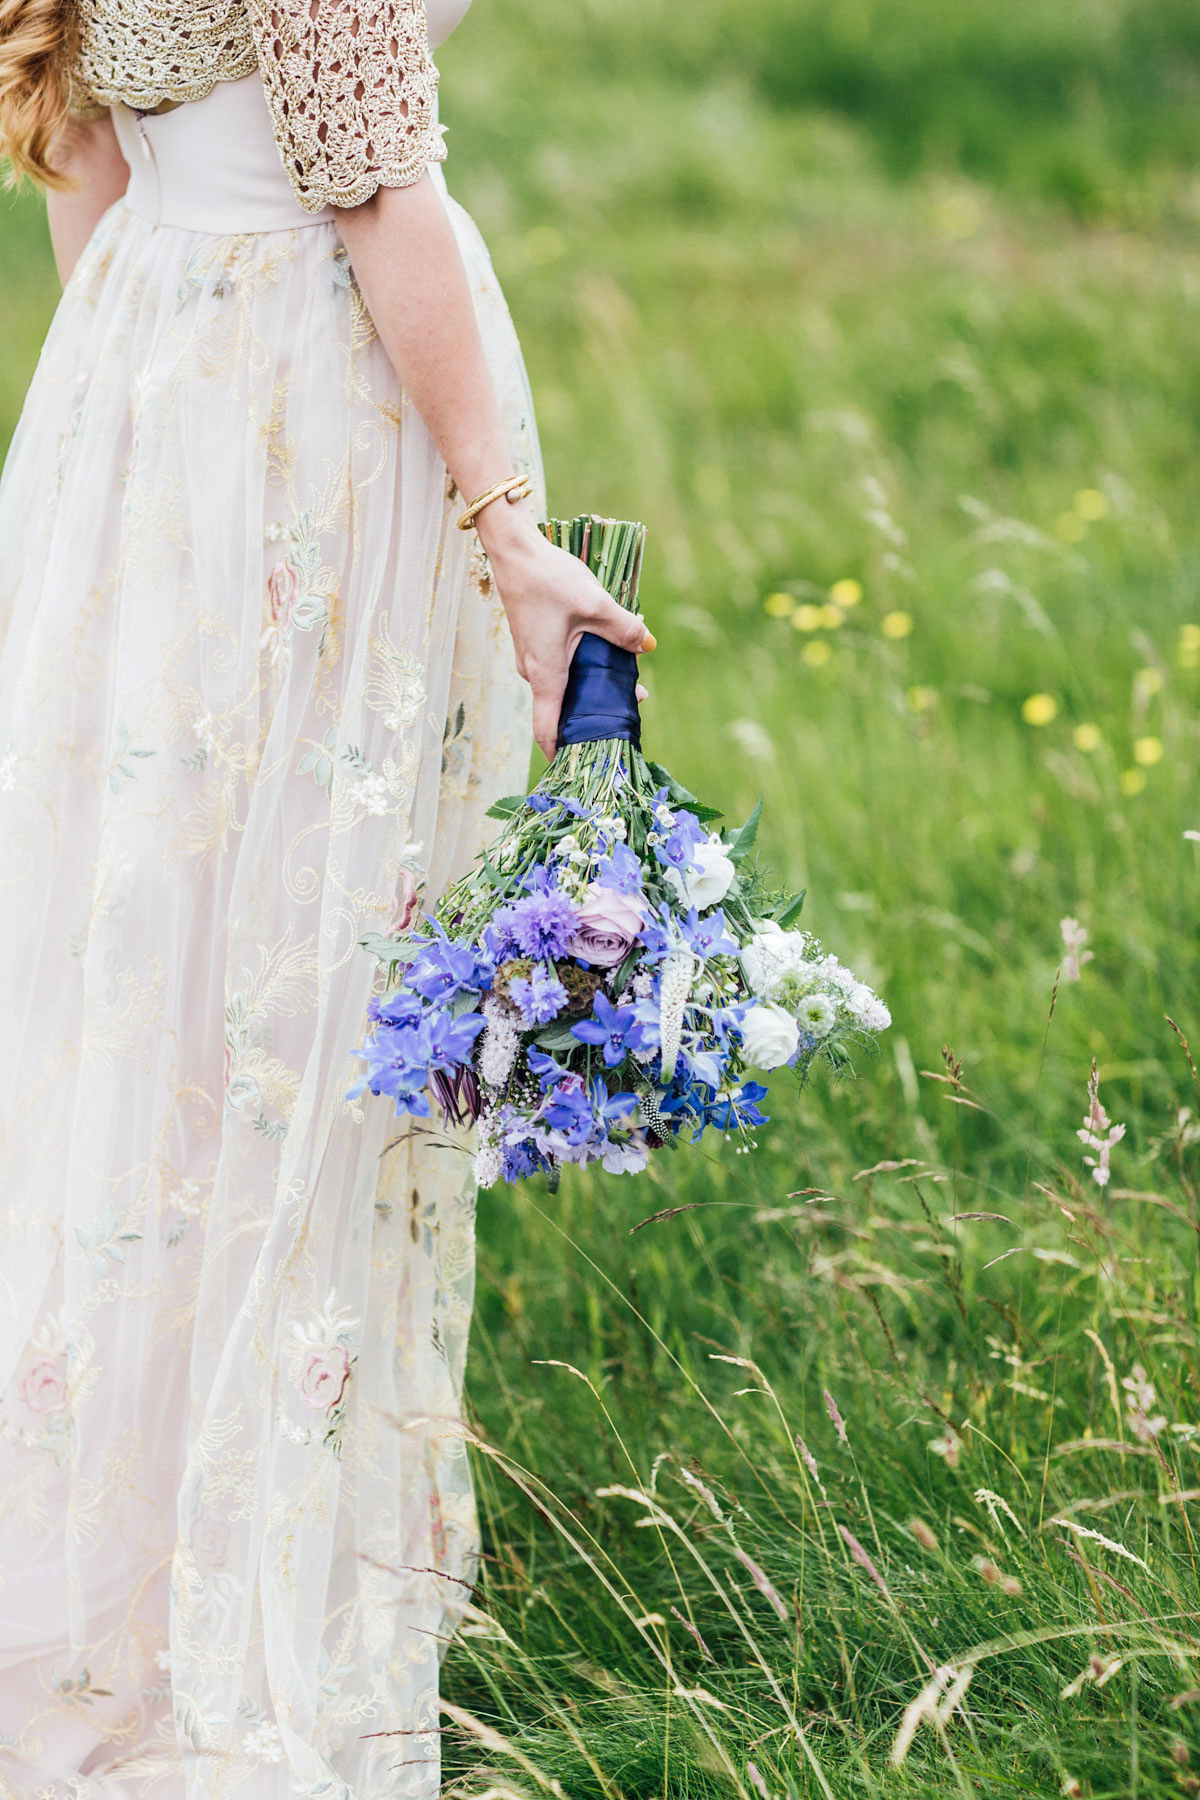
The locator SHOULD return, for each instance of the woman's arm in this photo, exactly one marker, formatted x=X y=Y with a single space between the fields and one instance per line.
x=89 y=156
x=406 y=260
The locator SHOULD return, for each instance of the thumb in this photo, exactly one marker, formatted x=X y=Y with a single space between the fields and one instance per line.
x=625 y=629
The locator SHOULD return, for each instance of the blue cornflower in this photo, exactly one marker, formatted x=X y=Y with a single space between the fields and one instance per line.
x=521 y=1159
x=609 y=1028
x=540 y=925
x=621 y=869
x=541 y=998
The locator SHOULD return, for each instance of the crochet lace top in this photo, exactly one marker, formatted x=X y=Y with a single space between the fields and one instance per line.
x=350 y=83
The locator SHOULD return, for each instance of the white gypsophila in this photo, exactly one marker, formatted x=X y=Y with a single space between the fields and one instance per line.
x=828 y=972
x=643 y=984
x=771 y=956
x=678 y=970
x=708 y=882
x=498 y=1052
x=817 y=1015
x=770 y=1036
x=489 y=1165
x=500 y=1042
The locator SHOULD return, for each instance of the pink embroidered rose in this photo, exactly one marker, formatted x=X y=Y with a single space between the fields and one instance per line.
x=283 y=586
x=608 y=924
x=324 y=1379
x=44 y=1385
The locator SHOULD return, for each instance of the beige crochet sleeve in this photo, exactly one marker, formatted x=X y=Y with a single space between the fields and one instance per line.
x=351 y=87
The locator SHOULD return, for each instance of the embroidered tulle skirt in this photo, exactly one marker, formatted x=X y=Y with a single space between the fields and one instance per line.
x=255 y=696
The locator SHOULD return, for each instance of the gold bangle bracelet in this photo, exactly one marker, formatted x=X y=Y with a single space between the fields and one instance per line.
x=516 y=487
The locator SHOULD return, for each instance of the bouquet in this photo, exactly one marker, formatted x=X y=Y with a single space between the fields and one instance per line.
x=616 y=967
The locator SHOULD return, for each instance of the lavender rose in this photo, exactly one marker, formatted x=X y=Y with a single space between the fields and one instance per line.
x=608 y=924
x=44 y=1385
x=324 y=1379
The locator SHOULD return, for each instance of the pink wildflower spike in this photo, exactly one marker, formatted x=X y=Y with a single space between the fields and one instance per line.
x=1074 y=937
x=1096 y=1124
x=831 y=1407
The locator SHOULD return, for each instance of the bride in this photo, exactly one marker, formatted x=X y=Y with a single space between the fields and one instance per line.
x=256 y=693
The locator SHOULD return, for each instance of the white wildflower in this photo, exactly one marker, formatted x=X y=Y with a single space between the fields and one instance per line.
x=1074 y=937
x=817 y=1015
x=1140 y=1397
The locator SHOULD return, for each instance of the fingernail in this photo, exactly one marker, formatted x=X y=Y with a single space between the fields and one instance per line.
x=649 y=641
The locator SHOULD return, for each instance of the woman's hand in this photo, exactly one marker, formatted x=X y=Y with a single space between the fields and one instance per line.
x=550 y=599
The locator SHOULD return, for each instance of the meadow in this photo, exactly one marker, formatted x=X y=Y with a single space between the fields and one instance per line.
x=867 y=1463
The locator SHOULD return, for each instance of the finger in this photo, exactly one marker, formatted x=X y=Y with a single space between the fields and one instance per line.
x=625 y=629
x=547 y=705
x=641 y=693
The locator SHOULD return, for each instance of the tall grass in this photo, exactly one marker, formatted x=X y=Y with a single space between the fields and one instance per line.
x=900 y=295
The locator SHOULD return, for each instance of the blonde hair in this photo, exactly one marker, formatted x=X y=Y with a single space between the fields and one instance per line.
x=37 y=46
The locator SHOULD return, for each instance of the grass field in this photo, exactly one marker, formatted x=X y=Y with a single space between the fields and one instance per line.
x=900 y=295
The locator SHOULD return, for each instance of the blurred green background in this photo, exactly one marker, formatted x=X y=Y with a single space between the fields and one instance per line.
x=883 y=314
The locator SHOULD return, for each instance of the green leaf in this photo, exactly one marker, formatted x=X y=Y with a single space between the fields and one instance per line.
x=506 y=808
x=742 y=842
x=556 y=1037
x=791 y=911
x=387 y=949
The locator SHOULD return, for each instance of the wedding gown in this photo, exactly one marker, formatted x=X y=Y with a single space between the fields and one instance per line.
x=256 y=694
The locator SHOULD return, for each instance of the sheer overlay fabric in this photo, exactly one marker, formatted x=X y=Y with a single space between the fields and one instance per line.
x=255 y=696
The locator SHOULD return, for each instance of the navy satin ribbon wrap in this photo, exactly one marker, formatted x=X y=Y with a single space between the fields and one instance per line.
x=601 y=697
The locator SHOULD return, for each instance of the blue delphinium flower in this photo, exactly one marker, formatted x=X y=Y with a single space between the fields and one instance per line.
x=567 y=1110
x=544 y=1068
x=620 y=869
x=685 y=832
x=540 y=925
x=398 y=1059
x=541 y=998
x=708 y=936
x=740 y=1109
x=609 y=1028
x=400 y=1008
x=452 y=1040
x=442 y=968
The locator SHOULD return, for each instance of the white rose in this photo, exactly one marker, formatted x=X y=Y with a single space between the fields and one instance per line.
x=709 y=881
x=772 y=954
x=769 y=1035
